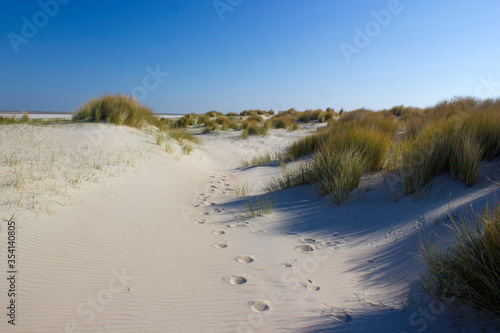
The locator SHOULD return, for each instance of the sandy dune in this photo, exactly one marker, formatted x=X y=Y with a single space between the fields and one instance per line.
x=153 y=242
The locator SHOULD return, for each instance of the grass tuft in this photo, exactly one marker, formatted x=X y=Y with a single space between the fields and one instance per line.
x=468 y=268
x=119 y=109
x=262 y=205
x=337 y=173
x=242 y=190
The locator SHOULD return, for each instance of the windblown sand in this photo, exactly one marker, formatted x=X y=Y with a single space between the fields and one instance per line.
x=117 y=235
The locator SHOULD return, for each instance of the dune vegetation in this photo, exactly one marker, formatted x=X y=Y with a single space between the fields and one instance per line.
x=7 y=120
x=412 y=146
x=25 y=119
x=468 y=267
x=119 y=109
x=253 y=122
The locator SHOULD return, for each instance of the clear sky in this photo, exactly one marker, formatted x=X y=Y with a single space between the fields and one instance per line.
x=231 y=55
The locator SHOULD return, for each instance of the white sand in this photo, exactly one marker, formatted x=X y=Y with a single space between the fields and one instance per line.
x=153 y=242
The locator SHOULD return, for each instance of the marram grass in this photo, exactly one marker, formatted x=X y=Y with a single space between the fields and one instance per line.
x=468 y=267
x=119 y=109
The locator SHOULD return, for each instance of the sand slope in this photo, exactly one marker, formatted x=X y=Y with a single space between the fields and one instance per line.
x=163 y=246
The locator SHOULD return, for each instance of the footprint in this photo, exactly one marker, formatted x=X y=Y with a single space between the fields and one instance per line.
x=200 y=222
x=218 y=232
x=305 y=248
x=220 y=245
x=244 y=259
x=259 y=306
x=308 y=240
x=259 y=232
x=204 y=213
x=338 y=314
x=289 y=263
x=236 y=225
x=309 y=285
x=237 y=280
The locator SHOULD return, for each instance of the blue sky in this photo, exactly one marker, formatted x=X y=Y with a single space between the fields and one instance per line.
x=262 y=54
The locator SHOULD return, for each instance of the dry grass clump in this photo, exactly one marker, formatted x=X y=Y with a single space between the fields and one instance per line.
x=290 y=112
x=254 y=118
x=181 y=135
x=8 y=120
x=307 y=145
x=484 y=125
x=254 y=129
x=214 y=114
x=226 y=123
x=253 y=125
x=256 y=113
x=466 y=155
x=369 y=120
x=368 y=132
x=185 y=121
x=300 y=175
x=316 y=115
x=208 y=123
x=261 y=205
x=265 y=160
x=25 y=118
x=372 y=144
x=468 y=267
x=242 y=190
x=337 y=173
x=285 y=121
x=119 y=109
x=452 y=137
x=341 y=153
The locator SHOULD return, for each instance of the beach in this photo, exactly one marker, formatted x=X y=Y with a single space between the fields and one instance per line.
x=149 y=241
